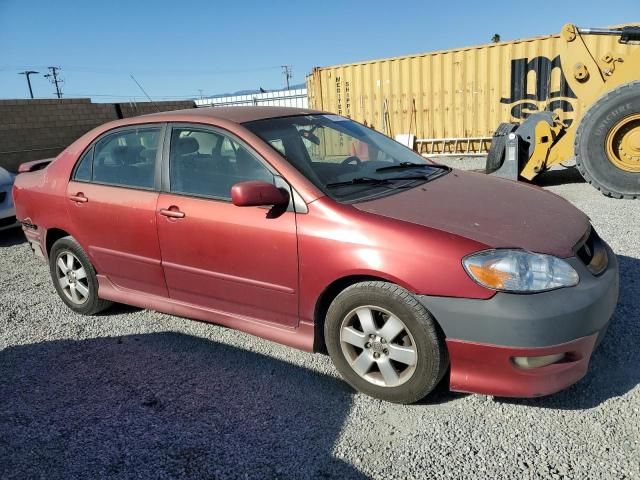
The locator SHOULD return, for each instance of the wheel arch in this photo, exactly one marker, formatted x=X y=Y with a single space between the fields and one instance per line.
x=327 y=296
x=52 y=235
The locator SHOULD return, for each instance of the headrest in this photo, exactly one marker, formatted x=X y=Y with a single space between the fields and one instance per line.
x=186 y=145
x=244 y=159
x=119 y=154
x=126 y=155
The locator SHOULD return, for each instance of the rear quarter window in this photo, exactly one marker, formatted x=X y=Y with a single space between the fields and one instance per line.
x=84 y=168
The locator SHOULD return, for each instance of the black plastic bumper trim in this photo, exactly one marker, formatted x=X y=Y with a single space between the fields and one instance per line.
x=533 y=320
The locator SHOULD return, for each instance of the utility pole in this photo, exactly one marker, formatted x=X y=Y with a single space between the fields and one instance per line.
x=53 y=78
x=200 y=90
x=27 y=73
x=286 y=71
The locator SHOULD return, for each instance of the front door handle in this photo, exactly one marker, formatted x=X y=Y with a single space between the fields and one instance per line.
x=172 y=212
x=78 y=197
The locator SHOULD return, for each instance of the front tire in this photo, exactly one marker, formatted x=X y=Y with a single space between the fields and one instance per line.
x=74 y=277
x=385 y=343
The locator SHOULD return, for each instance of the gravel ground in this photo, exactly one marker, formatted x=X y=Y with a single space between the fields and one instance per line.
x=134 y=393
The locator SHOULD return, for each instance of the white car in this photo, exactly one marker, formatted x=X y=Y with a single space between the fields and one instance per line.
x=7 y=210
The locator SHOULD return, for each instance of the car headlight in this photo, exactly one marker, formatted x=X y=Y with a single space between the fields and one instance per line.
x=519 y=271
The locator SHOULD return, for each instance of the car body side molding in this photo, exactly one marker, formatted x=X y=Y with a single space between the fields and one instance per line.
x=231 y=278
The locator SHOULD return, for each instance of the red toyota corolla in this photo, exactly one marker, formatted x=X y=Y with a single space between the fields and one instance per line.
x=315 y=231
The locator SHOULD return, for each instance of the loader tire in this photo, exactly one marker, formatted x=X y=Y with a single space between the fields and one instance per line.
x=495 y=157
x=607 y=143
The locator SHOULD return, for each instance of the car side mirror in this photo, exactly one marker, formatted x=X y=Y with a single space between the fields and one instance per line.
x=258 y=194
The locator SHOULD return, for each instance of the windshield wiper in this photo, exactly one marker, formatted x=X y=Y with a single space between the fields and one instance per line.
x=359 y=181
x=387 y=181
x=403 y=165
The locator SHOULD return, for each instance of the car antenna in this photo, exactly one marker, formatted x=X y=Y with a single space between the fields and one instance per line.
x=146 y=94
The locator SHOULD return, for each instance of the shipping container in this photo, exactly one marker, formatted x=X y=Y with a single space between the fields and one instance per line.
x=453 y=100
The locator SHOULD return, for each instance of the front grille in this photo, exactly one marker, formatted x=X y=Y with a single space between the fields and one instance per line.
x=3 y=196
x=593 y=253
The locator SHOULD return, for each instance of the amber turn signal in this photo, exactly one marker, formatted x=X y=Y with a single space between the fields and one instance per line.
x=489 y=276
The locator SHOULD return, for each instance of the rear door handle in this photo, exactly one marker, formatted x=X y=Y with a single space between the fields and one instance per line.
x=172 y=212
x=78 y=197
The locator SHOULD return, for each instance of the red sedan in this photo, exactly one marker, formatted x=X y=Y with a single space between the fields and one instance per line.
x=315 y=231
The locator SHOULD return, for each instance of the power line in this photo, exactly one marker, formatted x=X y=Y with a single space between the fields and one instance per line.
x=106 y=95
x=288 y=74
x=53 y=78
x=28 y=73
x=125 y=71
x=143 y=91
x=186 y=72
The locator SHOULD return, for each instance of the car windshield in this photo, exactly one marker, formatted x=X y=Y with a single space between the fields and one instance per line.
x=346 y=160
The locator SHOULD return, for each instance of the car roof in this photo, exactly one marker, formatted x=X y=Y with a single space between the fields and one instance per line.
x=236 y=114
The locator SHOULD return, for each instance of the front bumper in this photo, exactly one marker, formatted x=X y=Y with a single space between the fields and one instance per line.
x=483 y=336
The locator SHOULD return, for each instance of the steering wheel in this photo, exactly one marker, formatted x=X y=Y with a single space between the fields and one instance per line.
x=351 y=159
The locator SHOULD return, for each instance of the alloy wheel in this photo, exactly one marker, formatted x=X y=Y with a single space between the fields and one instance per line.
x=378 y=346
x=72 y=277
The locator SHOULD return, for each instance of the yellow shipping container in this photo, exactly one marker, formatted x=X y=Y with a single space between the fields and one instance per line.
x=460 y=93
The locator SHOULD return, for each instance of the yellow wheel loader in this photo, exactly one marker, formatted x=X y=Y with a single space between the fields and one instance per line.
x=605 y=140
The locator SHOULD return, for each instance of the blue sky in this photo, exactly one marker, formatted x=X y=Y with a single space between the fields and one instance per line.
x=174 y=48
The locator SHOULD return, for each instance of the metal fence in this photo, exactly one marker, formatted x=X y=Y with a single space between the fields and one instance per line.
x=458 y=147
x=281 y=98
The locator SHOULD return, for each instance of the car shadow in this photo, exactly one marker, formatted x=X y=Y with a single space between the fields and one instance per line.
x=165 y=405
x=118 y=309
x=441 y=394
x=12 y=237
x=613 y=370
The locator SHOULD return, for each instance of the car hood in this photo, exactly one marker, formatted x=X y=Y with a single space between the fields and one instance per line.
x=6 y=178
x=496 y=212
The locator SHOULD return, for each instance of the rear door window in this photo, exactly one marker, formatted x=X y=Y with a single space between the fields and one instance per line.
x=125 y=158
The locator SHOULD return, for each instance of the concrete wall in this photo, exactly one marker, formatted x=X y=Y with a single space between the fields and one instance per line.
x=36 y=129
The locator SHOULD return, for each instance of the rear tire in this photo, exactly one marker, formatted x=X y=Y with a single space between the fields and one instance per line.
x=609 y=170
x=385 y=343
x=74 y=277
